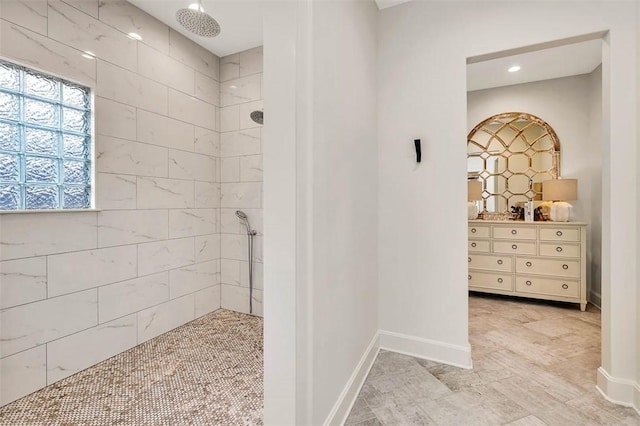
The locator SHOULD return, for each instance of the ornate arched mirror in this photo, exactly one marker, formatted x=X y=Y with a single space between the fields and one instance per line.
x=512 y=154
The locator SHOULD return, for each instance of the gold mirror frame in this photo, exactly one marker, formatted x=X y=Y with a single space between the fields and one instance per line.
x=511 y=154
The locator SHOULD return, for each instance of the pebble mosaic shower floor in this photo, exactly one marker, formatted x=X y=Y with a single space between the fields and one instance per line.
x=206 y=372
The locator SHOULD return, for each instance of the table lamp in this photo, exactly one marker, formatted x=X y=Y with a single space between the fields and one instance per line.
x=474 y=193
x=560 y=191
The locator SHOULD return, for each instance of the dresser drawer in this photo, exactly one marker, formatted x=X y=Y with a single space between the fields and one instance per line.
x=490 y=280
x=558 y=267
x=515 y=232
x=560 y=249
x=483 y=246
x=514 y=247
x=547 y=286
x=491 y=262
x=479 y=231
x=559 y=234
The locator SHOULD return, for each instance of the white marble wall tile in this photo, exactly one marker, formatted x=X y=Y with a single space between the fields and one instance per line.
x=74 y=353
x=234 y=246
x=161 y=318
x=115 y=119
x=188 y=223
x=164 y=131
x=115 y=191
x=23 y=281
x=230 y=271
x=130 y=88
x=31 y=14
x=164 y=255
x=241 y=195
x=229 y=223
x=90 y=7
x=120 y=299
x=27 y=326
x=207 y=300
x=123 y=156
x=207 y=141
x=241 y=142
x=46 y=233
x=158 y=193
x=193 y=278
x=164 y=69
x=195 y=56
x=45 y=54
x=22 y=373
x=251 y=168
x=70 y=272
x=251 y=61
x=230 y=169
x=237 y=299
x=187 y=165
x=207 y=89
x=132 y=226
x=230 y=67
x=127 y=18
x=207 y=195
x=258 y=279
x=191 y=110
x=245 y=114
x=241 y=90
x=230 y=118
x=207 y=247
x=76 y=29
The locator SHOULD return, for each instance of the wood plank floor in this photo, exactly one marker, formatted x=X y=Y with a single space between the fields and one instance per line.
x=534 y=364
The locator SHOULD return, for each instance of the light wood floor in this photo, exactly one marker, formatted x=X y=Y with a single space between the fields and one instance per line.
x=534 y=364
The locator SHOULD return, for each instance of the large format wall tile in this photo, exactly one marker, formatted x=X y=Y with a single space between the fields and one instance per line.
x=207 y=300
x=46 y=233
x=22 y=373
x=132 y=158
x=230 y=67
x=165 y=255
x=207 y=195
x=74 y=353
x=23 y=281
x=34 y=324
x=237 y=299
x=115 y=119
x=166 y=70
x=207 y=247
x=30 y=14
x=187 y=165
x=158 y=193
x=251 y=168
x=207 y=89
x=117 y=300
x=192 y=222
x=250 y=61
x=236 y=272
x=241 y=142
x=244 y=194
x=90 y=7
x=132 y=226
x=115 y=191
x=197 y=57
x=207 y=141
x=159 y=319
x=245 y=89
x=164 y=131
x=191 y=110
x=192 y=278
x=82 y=270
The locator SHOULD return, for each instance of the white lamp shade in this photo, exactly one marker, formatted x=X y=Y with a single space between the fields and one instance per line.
x=560 y=190
x=474 y=190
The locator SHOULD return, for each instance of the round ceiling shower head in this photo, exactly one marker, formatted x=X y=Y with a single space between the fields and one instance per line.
x=198 y=22
x=257 y=116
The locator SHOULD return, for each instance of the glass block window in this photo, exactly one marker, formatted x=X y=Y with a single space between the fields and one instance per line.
x=45 y=141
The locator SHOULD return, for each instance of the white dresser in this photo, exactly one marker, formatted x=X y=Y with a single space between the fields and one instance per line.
x=542 y=260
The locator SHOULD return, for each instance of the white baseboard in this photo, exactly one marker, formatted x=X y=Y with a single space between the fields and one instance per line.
x=595 y=299
x=619 y=391
x=347 y=398
x=445 y=353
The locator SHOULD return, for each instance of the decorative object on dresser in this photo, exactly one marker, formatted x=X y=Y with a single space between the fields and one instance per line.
x=474 y=193
x=560 y=191
x=540 y=260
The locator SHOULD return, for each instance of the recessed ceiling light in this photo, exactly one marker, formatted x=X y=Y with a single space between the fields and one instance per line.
x=196 y=6
x=233 y=86
x=514 y=68
x=135 y=36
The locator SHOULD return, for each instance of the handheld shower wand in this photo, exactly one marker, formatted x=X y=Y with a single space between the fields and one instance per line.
x=250 y=234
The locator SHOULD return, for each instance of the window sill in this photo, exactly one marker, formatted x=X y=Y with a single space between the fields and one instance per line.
x=49 y=211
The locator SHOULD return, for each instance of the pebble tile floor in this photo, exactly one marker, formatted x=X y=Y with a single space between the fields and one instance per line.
x=207 y=372
x=534 y=364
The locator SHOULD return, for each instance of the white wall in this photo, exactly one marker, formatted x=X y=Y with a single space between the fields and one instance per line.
x=78 y=288
x=572 y=107
x=422 y=94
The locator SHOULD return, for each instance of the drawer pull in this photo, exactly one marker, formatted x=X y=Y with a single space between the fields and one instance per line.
x=528 y=264
x=469 y=276
x=565 y=286
x=500 y=280
x=514 y=246
x=469 y=260
x=473 y=230
x=565 y=266
x=473 y=244
x=514 y=232
x=558 y=249
x=559 y=233
x=528 y=282
x=499 y=261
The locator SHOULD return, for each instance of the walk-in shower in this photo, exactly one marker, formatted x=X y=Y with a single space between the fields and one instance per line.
x=250 y=234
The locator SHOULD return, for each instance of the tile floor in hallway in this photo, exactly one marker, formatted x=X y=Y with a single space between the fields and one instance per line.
x=206 y=372
x=534 y=364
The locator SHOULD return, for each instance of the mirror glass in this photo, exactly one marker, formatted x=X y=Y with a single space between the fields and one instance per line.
x=512 y=154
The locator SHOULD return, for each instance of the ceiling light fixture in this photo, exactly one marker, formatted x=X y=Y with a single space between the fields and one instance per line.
x=135 y=36
x=514 y=68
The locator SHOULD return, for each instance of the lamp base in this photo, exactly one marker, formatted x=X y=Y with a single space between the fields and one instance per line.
x=472 y=210
x=560 y=211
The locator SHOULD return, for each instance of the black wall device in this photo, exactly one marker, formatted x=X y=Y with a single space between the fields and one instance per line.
x=418 y=150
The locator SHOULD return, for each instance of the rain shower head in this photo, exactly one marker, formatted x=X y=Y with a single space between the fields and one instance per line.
x=257 y=116
x=197 y=21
